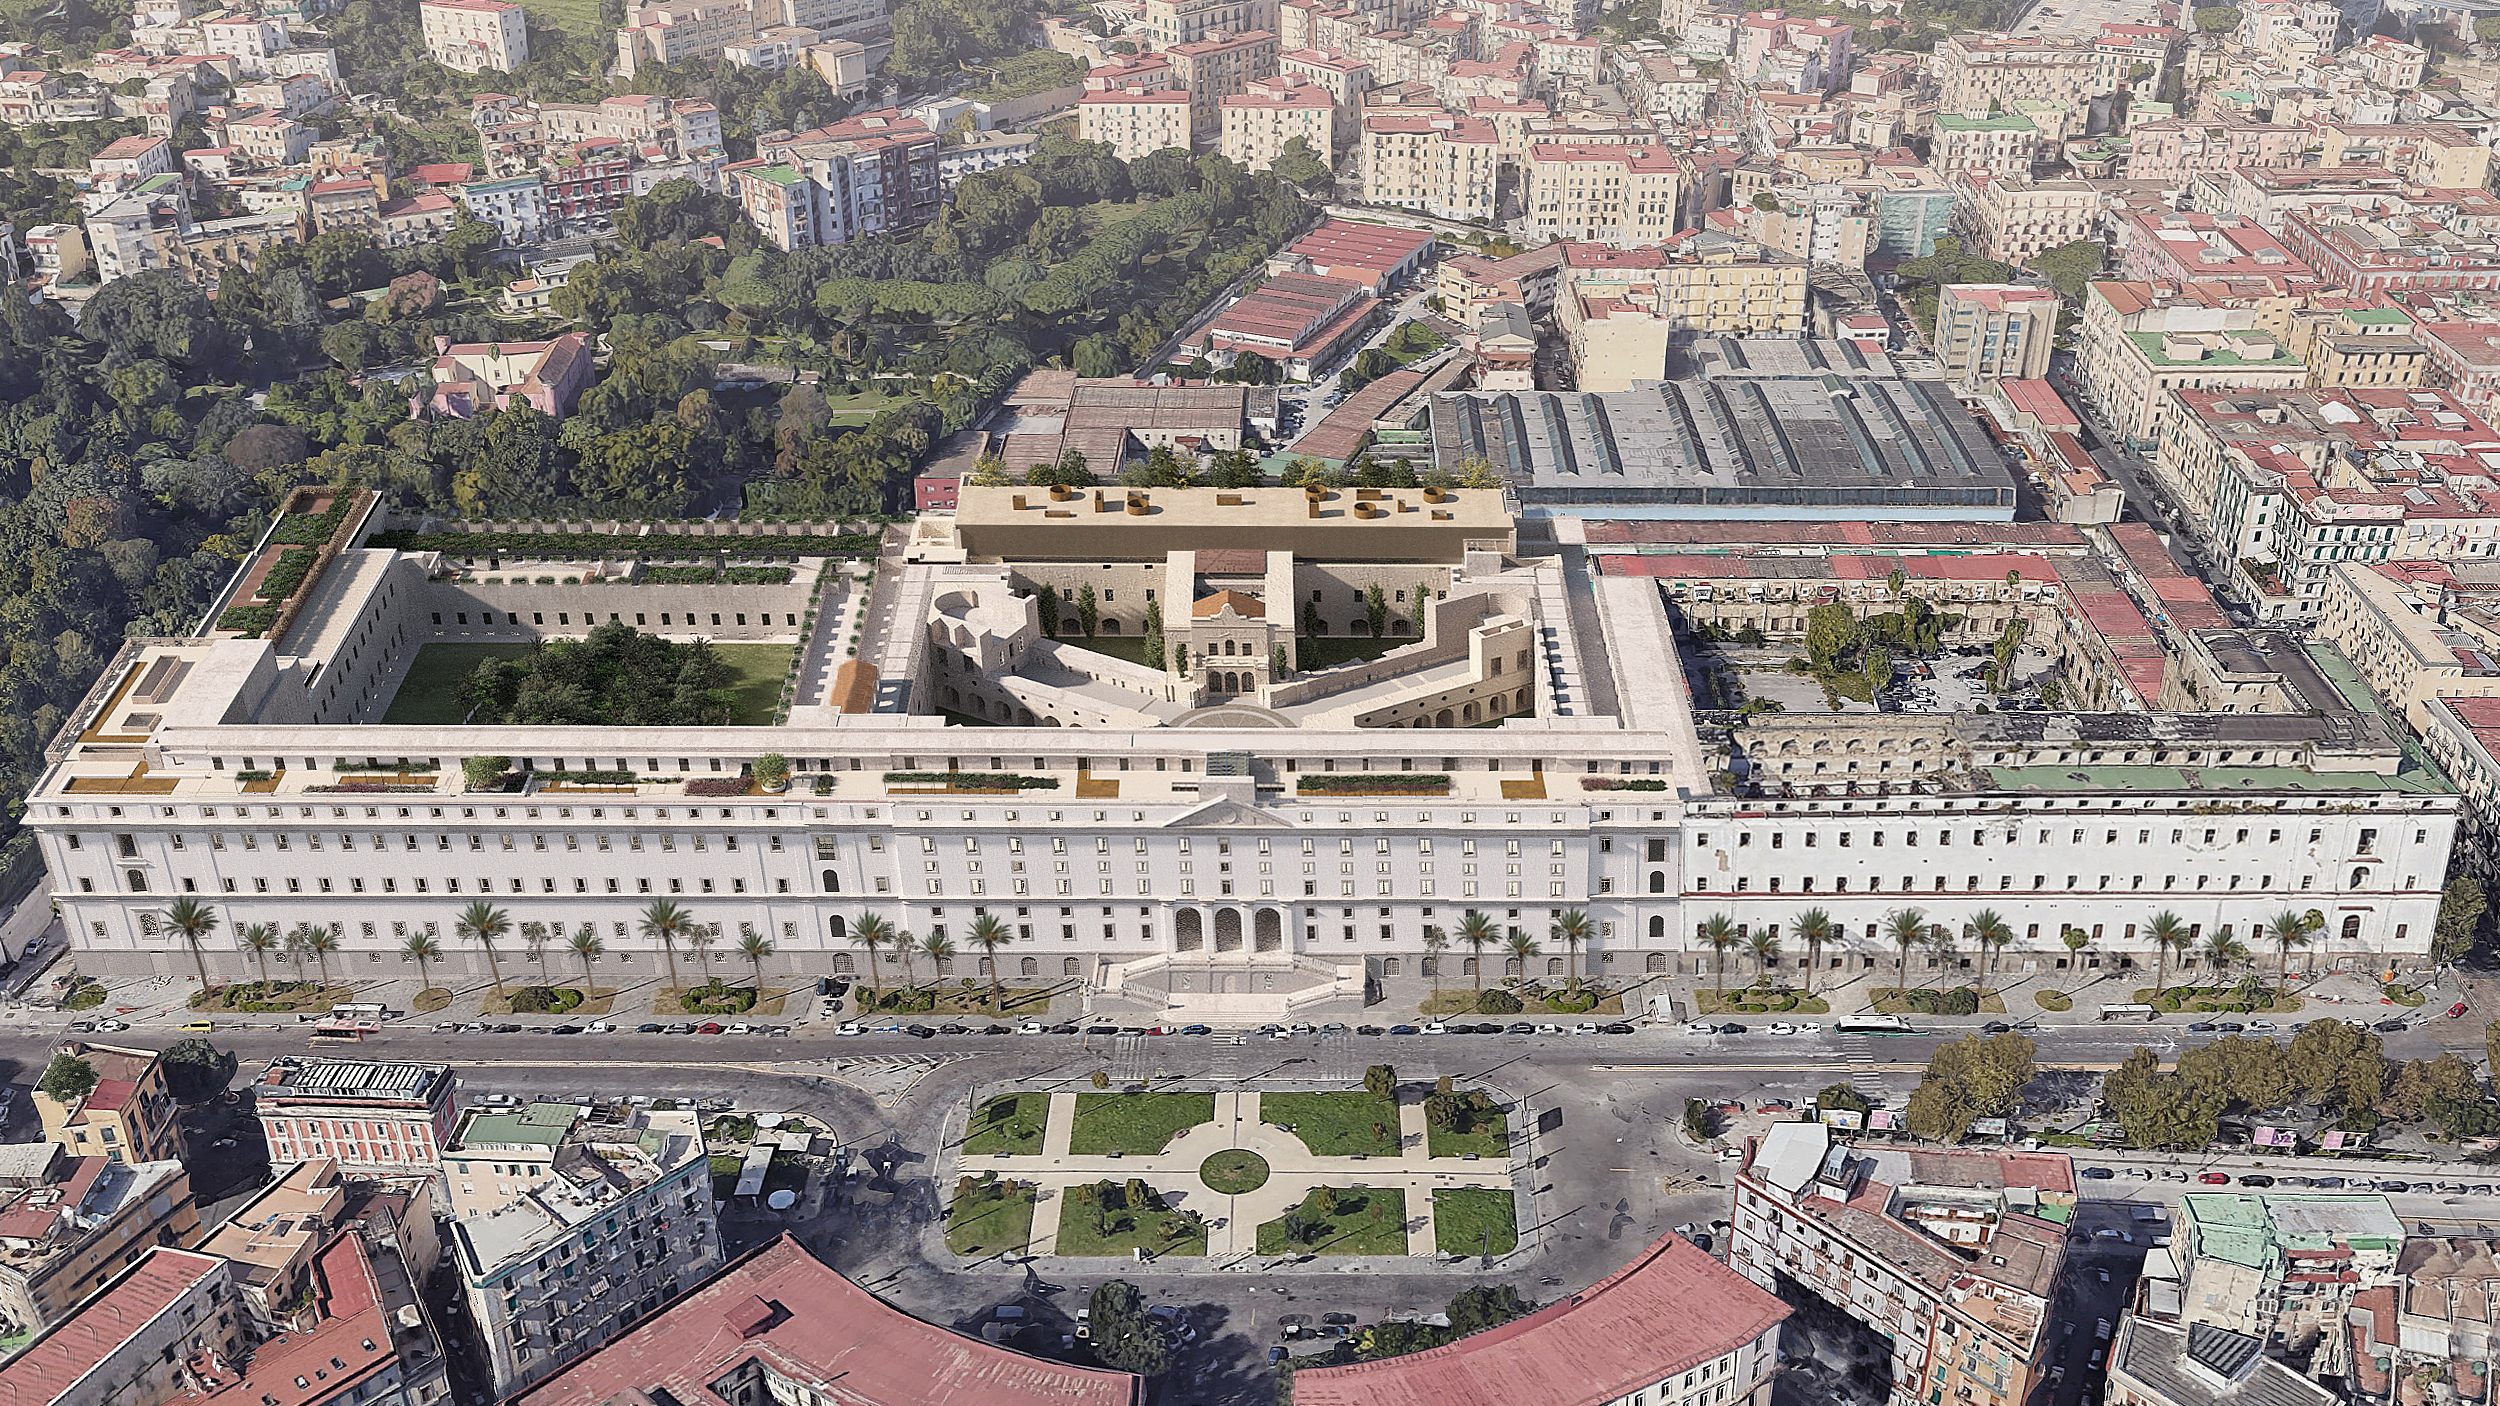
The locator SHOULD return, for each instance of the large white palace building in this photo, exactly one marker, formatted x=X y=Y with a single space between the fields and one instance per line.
x=1223 y=829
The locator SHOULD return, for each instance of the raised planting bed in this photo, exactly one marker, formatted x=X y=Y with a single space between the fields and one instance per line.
x=942 y=782
x=575 y=545
x=1397 y=784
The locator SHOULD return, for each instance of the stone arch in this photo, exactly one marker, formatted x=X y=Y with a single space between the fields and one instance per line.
x=1468 y=966
x=1030 y=966
x=1390 y=966
x=1227 y=929
x=1660 y=961
x=1553 y=966
x=842 y=964
x=1071 y=966
x=1188 y=931
x=1429 y=966
x=1110 y=627
x=2352 y=927
x=1468 y=713
x=1443 y=719
x=1516 y=966
x=989 y=967
x=1521 y=705
x=1268 y=931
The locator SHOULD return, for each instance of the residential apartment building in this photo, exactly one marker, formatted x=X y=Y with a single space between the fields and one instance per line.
x=1172 y=23
x=680 y=32
x=2177 y=148
x=2189 y=247
x=2281 y=1267
x=1955 y=1256
x=2394 y=254
x=129 y=1115
x=868 y=174
x=1598 y=1347
x=566 y=1228
x=1135 y=122
x=2153 y=1362
x=1980 y=72
x=2143 y=340
x=1989 y=332
x=1820 y=224
x=1611 y=193
x=2463 y=736
x=141 y=1340
x=2394 y=620
x=1707 y=286
x=1997 y=146
x=376 y=1116
x=515 y=205
x=473 y=35
x=69 y=1225
x=1271 y=114
x=2463 y=359
x=1433 y=162
x=2012 y=218
x=1213 y=69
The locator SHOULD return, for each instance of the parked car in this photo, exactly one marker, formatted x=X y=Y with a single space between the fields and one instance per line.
x=1197 y=1030
x=2215 y=1178
x=2258 y=1179
x=1781 y=1027
x=1030 y=1027
x=1404 y=1030
x=2099 y=1173
x=2456 y=1010
x=710 y=1027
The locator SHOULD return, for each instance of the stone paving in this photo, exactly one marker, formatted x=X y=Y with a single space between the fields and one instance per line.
x=1233 y=1221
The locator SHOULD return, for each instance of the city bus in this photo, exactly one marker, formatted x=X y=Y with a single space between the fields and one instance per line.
x=343 y=1031
x=1874 y=1025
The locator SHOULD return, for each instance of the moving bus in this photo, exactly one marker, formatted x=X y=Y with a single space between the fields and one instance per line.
x=1874 y=1025
x=2128 y=1012
x=338 y=1031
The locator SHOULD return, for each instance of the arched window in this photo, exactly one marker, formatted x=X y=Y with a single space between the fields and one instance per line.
x=138 y=880
x=1657 y=927
x=838 y=930
x=833 y=884
x=2359 y=878
x=1071 y=967
x=2352 y=927
x=1030 y=966
x=1657 y=881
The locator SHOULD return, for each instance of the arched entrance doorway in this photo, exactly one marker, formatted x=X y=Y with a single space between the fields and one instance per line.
x=1269 y=931
x=1188 y=931
x=1227 y=929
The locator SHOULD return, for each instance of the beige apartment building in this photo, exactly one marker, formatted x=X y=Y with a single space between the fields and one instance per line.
x=1214 y=69
x=2364 y=347
x=1979 y=72
x=2003 y=145
x=1171 y=23
x=1614 y=194
x=1260 y=123
x=1135 y=123
x=2142 y=340
x=1433 y=162
x=2395 y=622
x=1619 y=309
x=469 y=36
x=127 y=1117
x=1989 y=332
x=2012 y=218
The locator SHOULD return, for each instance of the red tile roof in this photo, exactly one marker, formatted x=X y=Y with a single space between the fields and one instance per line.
x=1668 y=1310
x=782 y=1306
x=48 y=1368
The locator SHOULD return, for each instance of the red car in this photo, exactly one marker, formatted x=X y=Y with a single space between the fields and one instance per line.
x=2456 y=1010
x=709 y=1027
x=2215 y=1179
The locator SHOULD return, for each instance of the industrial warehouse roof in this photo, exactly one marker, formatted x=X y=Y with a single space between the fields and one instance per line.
x=1810 y=443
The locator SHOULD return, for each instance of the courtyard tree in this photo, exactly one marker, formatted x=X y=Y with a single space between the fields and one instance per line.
x=2076 y=939
x=1831 y=632
x=1476 y=930
x=1126 y=1337
x=2286 y=930
x=1376 y=609
x=309 y=940
x=67 y=1078
x=872 y=933
x=2168 y=933
x=1991 y=934
x=939 y=949
x=1571 y=929
x=1814 y=928
x=1088 y=611
x=668 y=923
x=260 y=939
x=425 y=950
x=1765 y=947
x=586 y=949
x=2222 y=952
x=1521 y=948
x=1905 y=928
x=1381 y=1081
x=2217 y=19
x=196 y=1070
x=989 y=934
x=757 y=949
x=2461 y=908
x=1718 y=933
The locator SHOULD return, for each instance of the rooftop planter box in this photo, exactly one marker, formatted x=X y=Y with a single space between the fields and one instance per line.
x=719 y=785
x=1624 y=783
x=1402 y=783
x=579 y=544
x=940 y=783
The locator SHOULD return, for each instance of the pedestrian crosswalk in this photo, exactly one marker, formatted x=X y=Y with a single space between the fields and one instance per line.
x=1326 y=1058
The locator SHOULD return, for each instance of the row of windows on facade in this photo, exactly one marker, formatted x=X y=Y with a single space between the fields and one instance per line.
x=565 y=617
x=2257 y=929
x=2365 y=843
x=826 y=846
x=136 y=881
x=2359 y=879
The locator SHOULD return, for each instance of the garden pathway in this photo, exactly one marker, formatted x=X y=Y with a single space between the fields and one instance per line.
x=1233 y=1221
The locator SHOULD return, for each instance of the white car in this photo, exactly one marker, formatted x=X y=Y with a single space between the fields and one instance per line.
x=741 y=1028
x=1700 y=1027
x=1586 y=1027
x=1030 y=1027
x=1781 y=1027
x=1280 y=1034
x=112 y=1025
x=1302 y=1027
x=850 y=1027
x=1435 y=1027
x=601 y=1027
x=1549 y=1028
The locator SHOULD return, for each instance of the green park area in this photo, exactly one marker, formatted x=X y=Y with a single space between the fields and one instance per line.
x=1346 y=1124
x=1340 y=1220
x=430 y=693
x=989 y=1216
x=1474 y=1220
x=1118 y=1219
x=1134 y=1125
x=1006 y=1125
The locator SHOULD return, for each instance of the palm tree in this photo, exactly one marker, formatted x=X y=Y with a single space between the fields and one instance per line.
x=260 y=939
x=2286 y=930
x=1815 y=927
x=535 y=939
x=2222 y=951
x=2076 y=939
x=1905 y=928
x=1476 y=930
x=701 y=938
x=1718 y=933
x=872 y=932
x=1991 y=934
x=1435 y=943
x=422 y=949
x=665 y=922
x=989 y=934
x=311 y=940
x=1765 y=946
x=1522 y=947
x=756 y=948
x=1572 y=929
x=482 y=922
x=192 y=921
x=939 y=949
x=587 y=948
x=2169 y=934
x=1941 y=940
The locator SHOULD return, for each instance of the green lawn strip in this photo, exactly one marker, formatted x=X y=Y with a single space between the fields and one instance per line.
x=1123 y=1232
x=1134 y=1125
x=977 y=1225
x=1129 y=647
x=756 y=672
x=1366 y=1221
x=1007 y=1124
x=1490 y=1137
x=1315 y=652
x=1464 y=1216
x=429 y=695
x=1336 y=1124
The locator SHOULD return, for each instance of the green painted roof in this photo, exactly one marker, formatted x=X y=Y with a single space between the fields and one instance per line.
x=2150 y=344
x=2379 y=317
x=539 y=1125
x=1952 y=122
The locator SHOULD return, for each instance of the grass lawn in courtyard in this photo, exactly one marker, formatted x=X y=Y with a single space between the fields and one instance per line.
x=1129 y=647
x=980 y=1224
x=1474 y=1220
x=1007 y=1124
x=1134 y=1125
x=429 y=695
x=1486 y=1133
x=1336 y=1124
x=1344 y=1220
x=1315 y=652
x=1123 y=1232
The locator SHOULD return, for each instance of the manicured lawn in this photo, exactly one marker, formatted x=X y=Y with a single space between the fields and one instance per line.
x=1335 y=1125
x=1123 y=1232
x=1007 y=1124
x=1464 y=1216
x=1233 y=1172
x=430 y=693
x=1489 y=1136
x=978 y=1226
x=1135 y=1125
x=572 y=16
x=1129 y=647
x=1364 y=1221
x=1316 y=652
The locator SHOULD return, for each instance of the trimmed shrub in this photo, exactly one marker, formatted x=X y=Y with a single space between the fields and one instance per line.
x=1497 y=1002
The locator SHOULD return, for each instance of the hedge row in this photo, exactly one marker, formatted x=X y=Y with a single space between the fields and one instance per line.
x=313 y=529
x=973 y=780
x=1369 y=782
x=287 y=573
x=576 y=544
x=252 y=621
x=714 y=576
